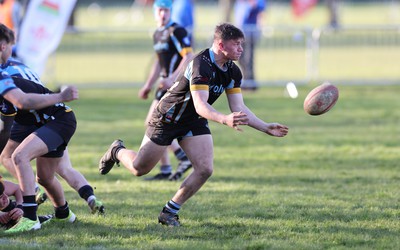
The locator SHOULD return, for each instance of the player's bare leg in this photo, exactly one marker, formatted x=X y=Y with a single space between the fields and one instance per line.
x=144 y=160
x=46 y=169
x=79 y=183
x=199 y=149
x=165 y=168
x=30 y=148
x=64 y=168
x=138 y=163
x=6 y=160
x=45 y=175
x=184 y=163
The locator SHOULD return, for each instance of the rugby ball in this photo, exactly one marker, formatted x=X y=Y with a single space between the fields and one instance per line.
x=321 y=99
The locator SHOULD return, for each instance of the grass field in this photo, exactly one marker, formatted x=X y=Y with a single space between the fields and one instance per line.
x=332 y=183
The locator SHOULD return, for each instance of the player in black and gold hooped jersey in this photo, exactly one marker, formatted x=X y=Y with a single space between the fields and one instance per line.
x=183 y=113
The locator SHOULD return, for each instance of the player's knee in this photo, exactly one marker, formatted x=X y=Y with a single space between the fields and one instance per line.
x=41 y=181
x=205 y=172
x=140 y=170
x=19 y=159
x=47 y=179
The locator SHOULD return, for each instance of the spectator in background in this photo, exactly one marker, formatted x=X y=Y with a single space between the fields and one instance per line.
x=10 y=14
x=247 y=17
x=226 y=7
x=183 y=14
x=333 y=13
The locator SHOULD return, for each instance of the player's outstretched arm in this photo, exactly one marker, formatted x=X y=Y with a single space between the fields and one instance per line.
x=24 y=100
x=274 y=129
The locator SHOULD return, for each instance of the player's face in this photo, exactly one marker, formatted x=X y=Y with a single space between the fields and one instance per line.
x=4 y=201
x=233 y=49
x=6 y=50
x=162 y=16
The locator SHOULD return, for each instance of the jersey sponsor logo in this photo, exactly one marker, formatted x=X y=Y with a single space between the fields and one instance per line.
x=161 y=46
x=217 y=89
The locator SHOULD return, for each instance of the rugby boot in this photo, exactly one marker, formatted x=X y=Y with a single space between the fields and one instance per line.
x=96 y=206
x=108 y=160
x=71 y=218
x=40 y=196
x=168 y=219
x=24 y=225
x=158 y=177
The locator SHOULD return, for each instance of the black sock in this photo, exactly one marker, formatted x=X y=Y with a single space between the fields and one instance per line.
x=85 y=192
x=114 y=153
x=180 y=155
x=30 y=207
x=62 y=212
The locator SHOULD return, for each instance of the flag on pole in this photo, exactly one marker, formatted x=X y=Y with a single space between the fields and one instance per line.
x=300 y=7
x=41 y=31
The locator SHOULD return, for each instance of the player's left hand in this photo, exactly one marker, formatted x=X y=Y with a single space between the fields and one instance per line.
x=276 y=129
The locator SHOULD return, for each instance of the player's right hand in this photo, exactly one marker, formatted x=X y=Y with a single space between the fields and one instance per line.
x=144 y=92
x=69 y=93
x=237 y=118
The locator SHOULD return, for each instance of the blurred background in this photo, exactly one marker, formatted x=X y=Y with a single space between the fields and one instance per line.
x=109 y=43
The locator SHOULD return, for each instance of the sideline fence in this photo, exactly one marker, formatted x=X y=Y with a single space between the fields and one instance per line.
x=349 y=55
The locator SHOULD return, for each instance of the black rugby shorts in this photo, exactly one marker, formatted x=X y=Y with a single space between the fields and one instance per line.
x=164 y=133
x=55 y=134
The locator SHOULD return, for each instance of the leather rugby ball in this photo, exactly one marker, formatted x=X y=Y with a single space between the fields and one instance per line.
x=321 y=99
